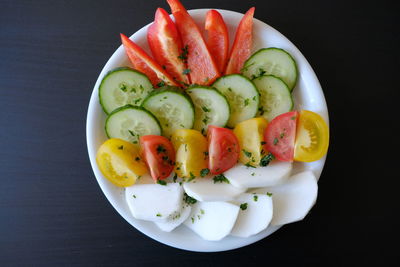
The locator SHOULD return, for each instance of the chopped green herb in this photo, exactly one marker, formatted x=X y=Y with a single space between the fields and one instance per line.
x=206 y=80
x=266 y=159
x=192 y=176
x=276 y=140
x=164 y=67
x=161 y=182
x=205 y=109
x=229 y=89
x=135 y=142
x=188 y=199
x=184 y=54
x=121 y=147
x=137 y=100
x=205 y=153
x=183 y=126
x=133 y=89
x=204 y=172
x=246 y=102
x=122 y=86
x=253 y=173
x=243 y=206
x=134 y=196
x=205 y=120
x=132 y=133
x=293 y=118
x=282 y=135
x=261 y=110
x=269 y=194
x=248 y=165
x=158 y=215
x=161 y=84
x=246 y=153
x=161 y=149
x=255 y=198
x=185 y=147
x=254 y=98
x=263 y=143
x=202 y=211
x=175 y=177
x=192 y=219
x=186 y=71
x=165 y=158
x=220 y=178
x=141 y=88
x=137 y=158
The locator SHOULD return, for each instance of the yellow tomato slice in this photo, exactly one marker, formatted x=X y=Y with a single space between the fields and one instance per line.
x=120 y=162
x=250 y=134
x=312 y=137
x=191 y=152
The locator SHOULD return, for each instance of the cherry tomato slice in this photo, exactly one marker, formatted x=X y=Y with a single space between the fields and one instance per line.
x=312 y=137
x=218 y=38
x=166 y=46
x=223 y=149
x=159 y=155
x=241 y=48
x=280 y=136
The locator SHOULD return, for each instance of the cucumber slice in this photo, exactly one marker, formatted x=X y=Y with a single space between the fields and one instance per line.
x=211 y=107
x=242 y=96
x=129 y=123
x=173 y=109
x=275 y=97
x=274 y=61
x=123 y=86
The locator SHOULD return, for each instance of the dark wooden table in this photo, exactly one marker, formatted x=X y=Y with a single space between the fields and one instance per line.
x=52 y=211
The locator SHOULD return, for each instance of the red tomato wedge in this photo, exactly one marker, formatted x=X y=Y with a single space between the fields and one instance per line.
x=144 y=63
x=218 y=38
x=280 y=136
x=159 y=155
x=166 y=46
x=201 y=65
x=241 y=48
x=223 y=149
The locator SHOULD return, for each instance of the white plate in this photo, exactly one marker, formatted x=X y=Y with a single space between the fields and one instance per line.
x=308 y=95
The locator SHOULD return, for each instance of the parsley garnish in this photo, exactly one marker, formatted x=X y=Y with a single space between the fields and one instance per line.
x=121 y=147
x=161 y=83
x=158 y=215
x=266 y=159
x=132 y=133
x=246 y=102
x=134 y=196
x=161 y=149
x=248 y=165
x=122 y=86
x=204 y=172
x=276 y=140
x=188 y=199
x=255 y=197
x=137 y=158
x=293 y=118
x=261 y=110
x=161 y=182
x=220 y=178
x=185 y=52
x=243 y=206
x=175 y=177
x=247 y=153
x=186 y=71
x=263 y=143
x=205 y=109
x=269 y=194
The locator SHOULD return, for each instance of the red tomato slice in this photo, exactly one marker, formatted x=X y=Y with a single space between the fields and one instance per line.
x=159 y=155
x=218 y=38
x=201 y=65
x=280 y=136
x=241 y=47
x=144 y=63
x=223 y=149
x=166 y=46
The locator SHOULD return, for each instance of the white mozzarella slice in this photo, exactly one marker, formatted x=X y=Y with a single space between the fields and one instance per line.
x=204 y=189
x=174 y=222
x=212 y=220
x=254 y=216
x=294 y=199
x=154 y=202
x=275 y=173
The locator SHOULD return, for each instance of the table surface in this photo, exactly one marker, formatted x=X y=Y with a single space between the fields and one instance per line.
x=52 y=211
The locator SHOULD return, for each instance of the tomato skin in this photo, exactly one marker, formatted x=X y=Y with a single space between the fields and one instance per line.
x=218 y=38
x=250 y=134
x=159 y=155
x=116 y=160
x=166 y=45
x=241 y=48
x=144 y=63
x=312 y=137
x=191 y=152
x=223 y=149
x=280 y=136
x=203 y=70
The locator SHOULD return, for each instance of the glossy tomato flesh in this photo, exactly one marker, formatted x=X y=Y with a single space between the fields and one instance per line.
x=159 y=155
x=223 y=149
x=280 y=136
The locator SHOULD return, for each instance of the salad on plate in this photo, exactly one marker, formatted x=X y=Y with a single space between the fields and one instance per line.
x=204 y=135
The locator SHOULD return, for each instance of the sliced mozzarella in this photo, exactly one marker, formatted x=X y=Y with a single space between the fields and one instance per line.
x=174 y=222
x=204 y=189
x=254 y=216
x=154 y=202
x=212 y=220
x=275 y=173
x=293 y=199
